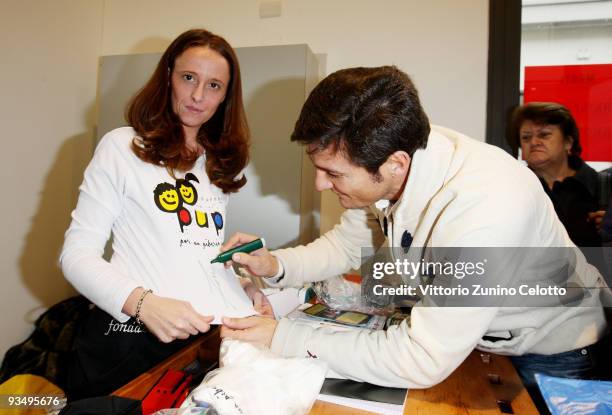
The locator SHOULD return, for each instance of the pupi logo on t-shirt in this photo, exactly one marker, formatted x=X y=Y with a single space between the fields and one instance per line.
x=172 y=198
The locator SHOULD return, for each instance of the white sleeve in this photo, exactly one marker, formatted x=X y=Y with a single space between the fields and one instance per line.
x=99 y=204
x=437 y=340
x=335 y=252
x=415 y=356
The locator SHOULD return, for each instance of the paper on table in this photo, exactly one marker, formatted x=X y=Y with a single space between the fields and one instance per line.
x=371 y=406
x=364 y=395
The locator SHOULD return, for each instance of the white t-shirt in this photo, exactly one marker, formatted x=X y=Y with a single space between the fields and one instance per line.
x=165 y=233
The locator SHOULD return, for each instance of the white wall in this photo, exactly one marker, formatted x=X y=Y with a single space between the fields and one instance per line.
x=47 y=111
x=441 y=43
x=565 y=11
x=49 y=67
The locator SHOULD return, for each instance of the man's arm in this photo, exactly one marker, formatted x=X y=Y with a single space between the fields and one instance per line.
x=418 y=355
x=337 y=251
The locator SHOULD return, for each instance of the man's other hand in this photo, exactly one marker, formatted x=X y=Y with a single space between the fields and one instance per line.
x=254 y=329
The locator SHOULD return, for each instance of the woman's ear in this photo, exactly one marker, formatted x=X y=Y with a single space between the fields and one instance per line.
x=569 y=142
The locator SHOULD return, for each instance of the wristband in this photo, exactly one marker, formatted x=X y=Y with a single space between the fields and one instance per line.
x=139 y=305
x=280 y=274
x=281 y=270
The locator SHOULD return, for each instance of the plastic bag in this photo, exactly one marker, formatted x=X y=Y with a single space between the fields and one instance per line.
x=201 y=410
x=253 y=380
x=575 y=396
x=344 y=293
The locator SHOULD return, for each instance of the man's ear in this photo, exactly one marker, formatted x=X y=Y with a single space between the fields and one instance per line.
x=397 y=164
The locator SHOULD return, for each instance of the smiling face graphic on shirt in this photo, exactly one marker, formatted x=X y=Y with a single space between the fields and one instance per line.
x=167 y=198
x=187 y=190
x=173 y=198
x=187 y=193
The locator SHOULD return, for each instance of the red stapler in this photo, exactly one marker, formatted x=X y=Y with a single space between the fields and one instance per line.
x=169 y=392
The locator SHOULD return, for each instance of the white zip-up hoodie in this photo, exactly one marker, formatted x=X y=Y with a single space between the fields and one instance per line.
x=460 y=193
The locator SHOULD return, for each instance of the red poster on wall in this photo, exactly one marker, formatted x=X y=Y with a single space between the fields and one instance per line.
x=587 y=91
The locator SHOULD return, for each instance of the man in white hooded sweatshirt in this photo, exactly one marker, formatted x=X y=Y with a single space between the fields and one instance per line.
x=408 y=184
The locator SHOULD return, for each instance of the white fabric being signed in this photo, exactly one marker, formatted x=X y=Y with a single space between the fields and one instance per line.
x=227 y=298
x=253 y=380
x=284 y=300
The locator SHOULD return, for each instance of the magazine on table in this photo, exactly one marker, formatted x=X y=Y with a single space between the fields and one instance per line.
x=323 y=314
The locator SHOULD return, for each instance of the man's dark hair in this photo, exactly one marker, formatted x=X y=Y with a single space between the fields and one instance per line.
x=369 y=113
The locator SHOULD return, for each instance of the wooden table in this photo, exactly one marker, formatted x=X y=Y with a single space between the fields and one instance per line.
x=474 y=388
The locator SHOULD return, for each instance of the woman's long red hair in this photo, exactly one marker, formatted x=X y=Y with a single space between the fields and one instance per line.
x=225 y=137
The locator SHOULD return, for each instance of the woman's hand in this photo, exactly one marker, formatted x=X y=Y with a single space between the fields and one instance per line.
x=597 y=218
x=259 y=263
x=168 y=319
x=259 y=299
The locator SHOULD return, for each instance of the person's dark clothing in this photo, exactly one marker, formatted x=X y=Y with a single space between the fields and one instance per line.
x=108 y=354
x=606 y=227
x=577 y=196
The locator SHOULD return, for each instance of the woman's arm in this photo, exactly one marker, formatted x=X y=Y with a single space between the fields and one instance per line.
x=99 y=205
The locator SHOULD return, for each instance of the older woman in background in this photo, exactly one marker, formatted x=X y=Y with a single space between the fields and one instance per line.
x=550 y=144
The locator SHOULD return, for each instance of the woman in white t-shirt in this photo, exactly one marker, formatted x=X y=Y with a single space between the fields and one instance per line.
x=160 y=186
